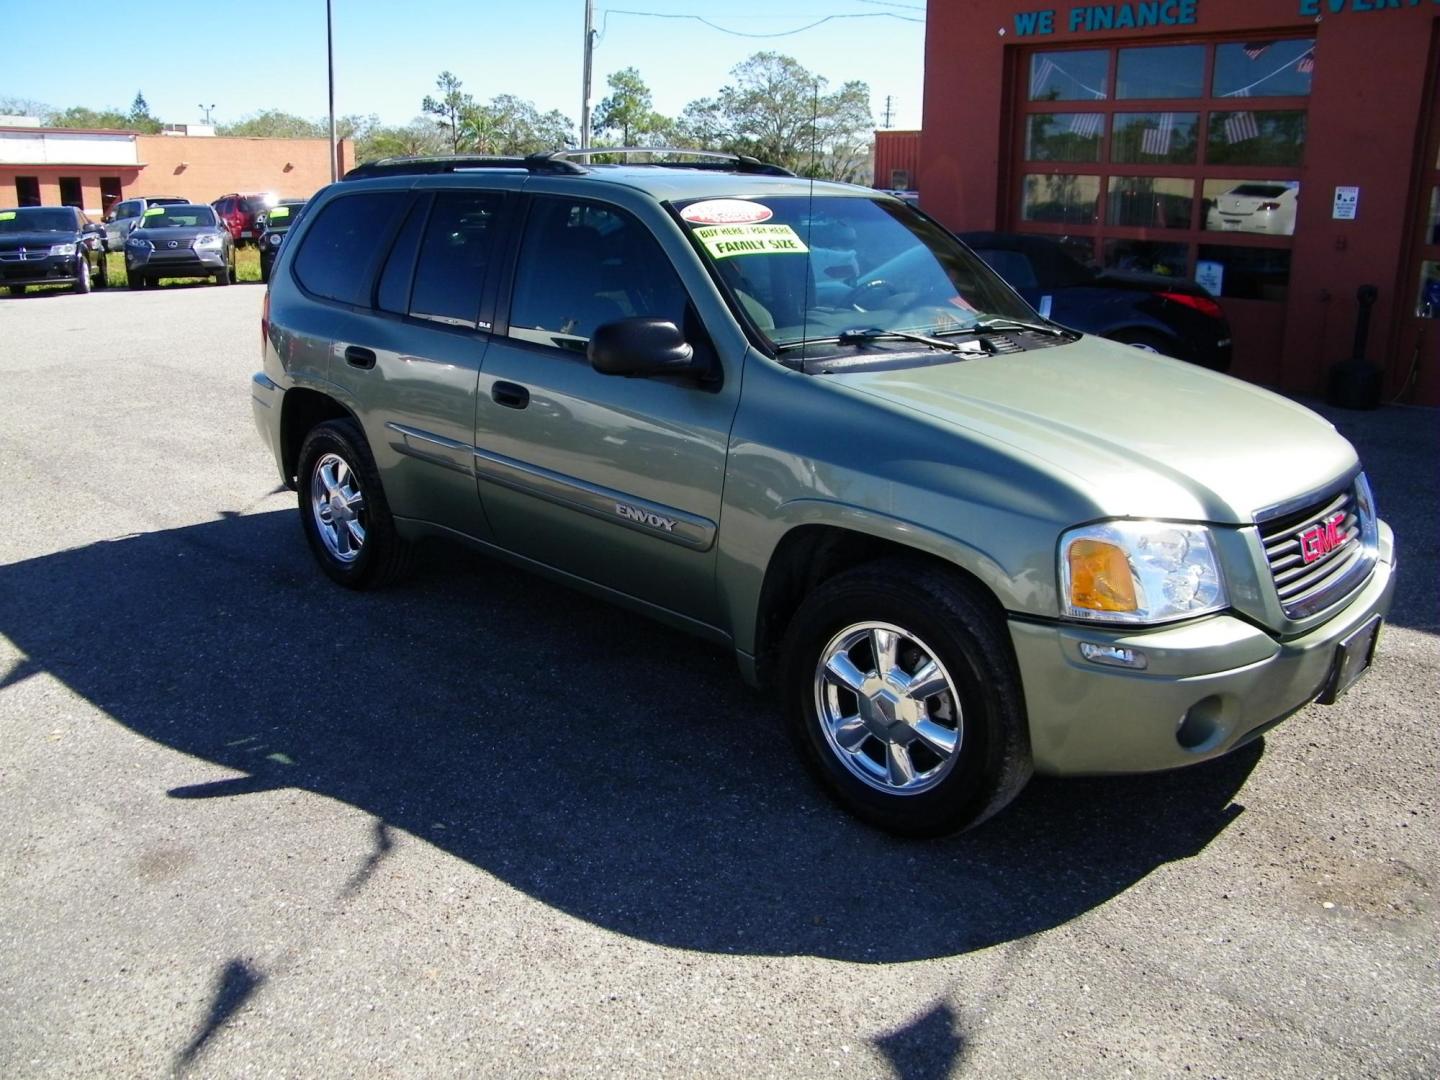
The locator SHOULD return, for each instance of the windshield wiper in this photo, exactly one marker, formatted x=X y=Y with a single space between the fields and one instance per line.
x=982 y=326
x=857 y=334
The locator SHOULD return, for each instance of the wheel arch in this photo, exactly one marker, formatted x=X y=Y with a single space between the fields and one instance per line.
x=302 y=409
x=810 y=553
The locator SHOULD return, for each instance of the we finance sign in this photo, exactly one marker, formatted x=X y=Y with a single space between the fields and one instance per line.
x=1093 y=18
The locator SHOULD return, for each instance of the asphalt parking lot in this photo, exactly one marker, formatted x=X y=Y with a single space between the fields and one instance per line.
x=255 y=825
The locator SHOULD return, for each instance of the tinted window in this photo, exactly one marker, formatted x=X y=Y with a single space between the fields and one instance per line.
x=455 y=253
x=394 y=294
x=127 y=210
x=1014 y=267
x=582 y=265
x=334 y=259
x=1170 y=71
x=1264 y=69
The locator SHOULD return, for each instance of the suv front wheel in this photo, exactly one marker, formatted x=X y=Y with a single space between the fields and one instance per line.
x=343 y=509
x=902 y=695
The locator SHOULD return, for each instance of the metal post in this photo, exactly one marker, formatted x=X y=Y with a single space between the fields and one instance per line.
x=585 y=88
x=330 y=66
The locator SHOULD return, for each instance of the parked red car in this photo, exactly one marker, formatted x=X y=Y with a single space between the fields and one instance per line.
x=238 y=212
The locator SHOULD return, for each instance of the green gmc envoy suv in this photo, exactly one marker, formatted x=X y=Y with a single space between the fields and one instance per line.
x=800 y=419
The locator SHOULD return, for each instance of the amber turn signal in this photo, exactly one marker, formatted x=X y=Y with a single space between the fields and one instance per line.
x=1100 y=577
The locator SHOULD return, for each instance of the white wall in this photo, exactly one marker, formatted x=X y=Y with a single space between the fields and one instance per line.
x=66 y=148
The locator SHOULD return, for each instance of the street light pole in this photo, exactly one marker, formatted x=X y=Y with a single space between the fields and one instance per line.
x=330 y=65
x=585 y=89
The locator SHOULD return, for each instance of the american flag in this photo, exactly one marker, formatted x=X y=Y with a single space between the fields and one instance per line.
x=1041 y=70
x=1306 y=66
x=1156 y=141
x=1256 y=49
x=1241 y=126
x=1086 y=125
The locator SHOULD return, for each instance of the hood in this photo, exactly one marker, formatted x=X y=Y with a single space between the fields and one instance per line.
x=158 y=236
x=33 y=240
x=1142 y=435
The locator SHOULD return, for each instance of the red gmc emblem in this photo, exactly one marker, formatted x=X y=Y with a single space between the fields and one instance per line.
x=1322 y=538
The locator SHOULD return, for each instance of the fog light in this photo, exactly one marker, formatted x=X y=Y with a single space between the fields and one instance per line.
x=1114 y=655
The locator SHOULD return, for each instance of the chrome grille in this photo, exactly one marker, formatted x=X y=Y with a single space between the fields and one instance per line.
x=1330 y=531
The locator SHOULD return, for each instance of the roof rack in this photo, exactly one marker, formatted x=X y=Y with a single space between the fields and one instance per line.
x=558 y=162
x=723 y=159
x=449 y=163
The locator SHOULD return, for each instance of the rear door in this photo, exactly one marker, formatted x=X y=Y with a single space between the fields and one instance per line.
x=615 y=480
x=410 y=363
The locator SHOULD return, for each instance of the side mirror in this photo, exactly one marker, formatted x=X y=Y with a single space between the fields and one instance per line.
x=641 y=346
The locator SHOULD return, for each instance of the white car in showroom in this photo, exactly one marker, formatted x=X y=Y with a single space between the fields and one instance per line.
x=1258 y=206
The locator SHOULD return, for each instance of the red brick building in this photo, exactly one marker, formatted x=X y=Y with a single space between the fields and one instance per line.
x=1284 y=152
x=95 y=169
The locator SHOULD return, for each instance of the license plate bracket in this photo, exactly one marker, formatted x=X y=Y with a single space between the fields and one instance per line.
x=1353 y=654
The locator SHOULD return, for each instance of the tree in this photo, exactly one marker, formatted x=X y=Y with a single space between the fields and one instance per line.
x=275 y=124
x=420 y=136
x=18 y=106
x=449 y=108
x=778 y=111
x=78 y=116
x=140 y=118
x=628 y=110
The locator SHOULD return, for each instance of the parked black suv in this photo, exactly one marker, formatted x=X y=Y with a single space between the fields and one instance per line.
x=50 y=245
x=271 y=226
x=1169 y=315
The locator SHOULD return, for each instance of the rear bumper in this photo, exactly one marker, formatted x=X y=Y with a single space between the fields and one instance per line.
x=1223 y=678
x=266 y=398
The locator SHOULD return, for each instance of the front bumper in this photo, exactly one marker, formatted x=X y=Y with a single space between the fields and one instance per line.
x=179 y=264
x=1224 y=678
x=46 y=270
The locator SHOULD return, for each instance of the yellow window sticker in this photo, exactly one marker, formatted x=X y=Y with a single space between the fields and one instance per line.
x=724 y=241
x=278 y=212
x=155 y=211
x=7 y=215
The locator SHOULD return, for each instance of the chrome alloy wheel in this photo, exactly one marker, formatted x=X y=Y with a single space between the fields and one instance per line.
x=338 y=506
x=888 y=708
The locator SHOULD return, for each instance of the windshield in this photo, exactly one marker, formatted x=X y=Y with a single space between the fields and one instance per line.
x=253 y=204
x=37 y=219
x=177 y=217
x=808 y=269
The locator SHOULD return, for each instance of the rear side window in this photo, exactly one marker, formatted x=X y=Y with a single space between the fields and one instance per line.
x=394 y=291
x=455 y=254
x=334 y=258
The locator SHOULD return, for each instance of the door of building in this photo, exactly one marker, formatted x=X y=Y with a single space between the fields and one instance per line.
x=1415 y=368
x=1173 y=159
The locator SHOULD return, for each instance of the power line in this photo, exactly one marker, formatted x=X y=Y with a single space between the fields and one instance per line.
x=740 y=33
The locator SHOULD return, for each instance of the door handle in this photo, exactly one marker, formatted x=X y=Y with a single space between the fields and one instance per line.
x=358 y=356
x=511 y=395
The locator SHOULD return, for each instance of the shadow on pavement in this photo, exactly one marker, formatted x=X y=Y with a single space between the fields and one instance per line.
x=597 y=761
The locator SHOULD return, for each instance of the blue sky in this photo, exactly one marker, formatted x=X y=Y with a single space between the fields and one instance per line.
x=388 y=52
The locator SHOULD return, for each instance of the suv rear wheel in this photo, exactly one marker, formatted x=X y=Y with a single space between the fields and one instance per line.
x=343 y=510
x=902 y=695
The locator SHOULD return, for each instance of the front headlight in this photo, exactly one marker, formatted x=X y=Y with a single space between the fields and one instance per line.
x=1139 y=572
x=63 y=249
x=137 y=244
x=208 y=240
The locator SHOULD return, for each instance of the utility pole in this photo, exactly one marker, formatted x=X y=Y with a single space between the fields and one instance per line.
x=585 y=88
x=330 y=66
x=887 y=111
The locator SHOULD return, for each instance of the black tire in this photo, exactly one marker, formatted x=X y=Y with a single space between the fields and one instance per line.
x=264 y=272
x=82 y=272
x=135 y=281
x=383 y=556
x=103 y=281
x=223 y=277
x=16 y=290
x=1145 y=340
x=965 y=632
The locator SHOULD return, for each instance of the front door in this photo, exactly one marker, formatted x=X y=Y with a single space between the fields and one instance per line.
x=614 y=480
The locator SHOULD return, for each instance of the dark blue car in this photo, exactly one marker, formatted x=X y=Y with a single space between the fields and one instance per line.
x=1169 y=315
